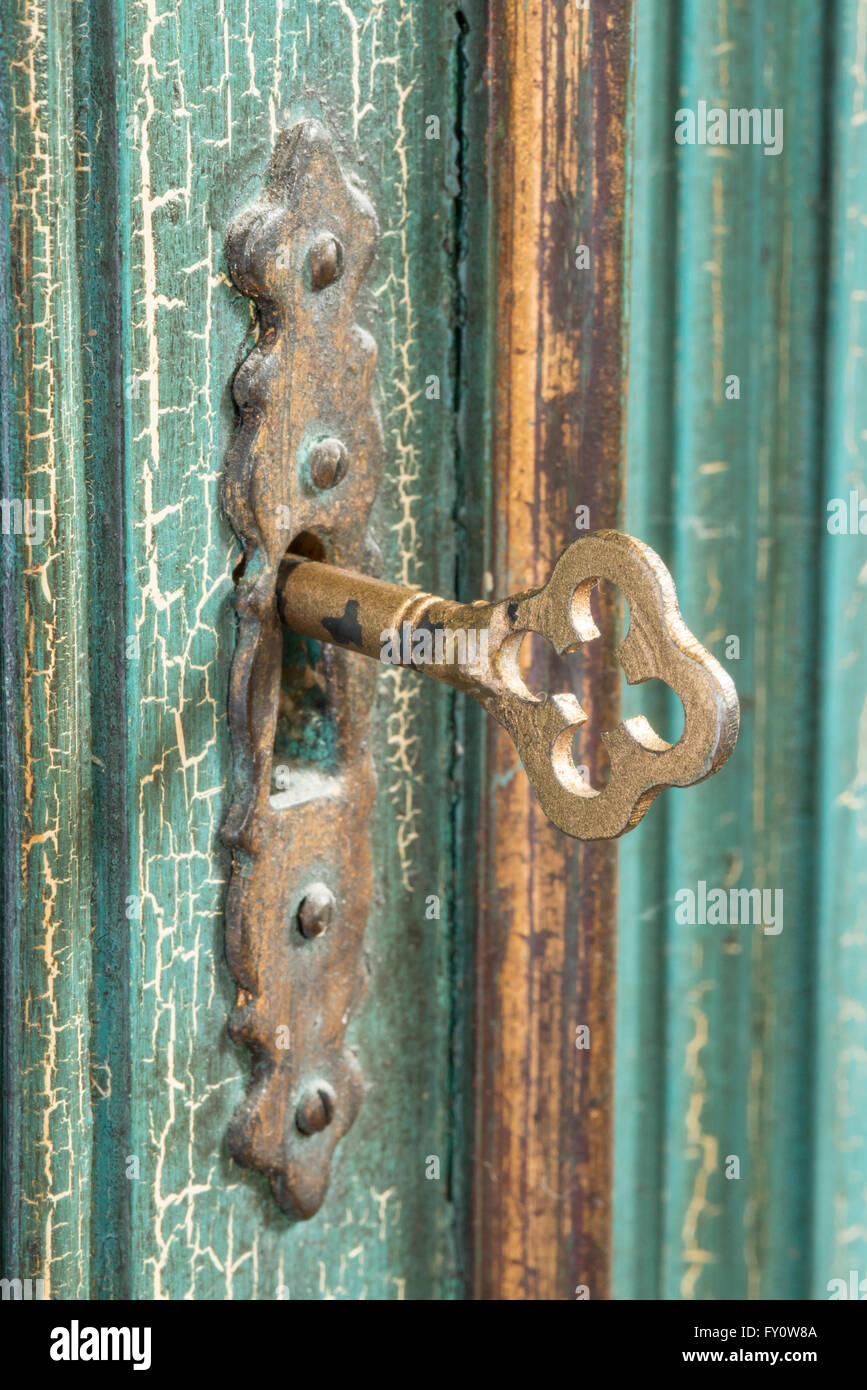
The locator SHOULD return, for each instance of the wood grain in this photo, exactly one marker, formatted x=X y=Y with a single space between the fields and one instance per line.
x=717 y=1025
x=555 y=178
x=201 y=98
x=132 y=135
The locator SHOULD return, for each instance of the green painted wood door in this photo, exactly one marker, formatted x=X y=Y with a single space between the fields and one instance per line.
x=490 y=1158
x=133 y=134
x=742 y=1113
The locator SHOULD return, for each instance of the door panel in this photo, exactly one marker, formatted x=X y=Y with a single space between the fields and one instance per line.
x=738 y=1043
x=149 y=131
x=496 y=142
x=203 y=119
x=47 y=750
x=553 y=122
x=140 y=1074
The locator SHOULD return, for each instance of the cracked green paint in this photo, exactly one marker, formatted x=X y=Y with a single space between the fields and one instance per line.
x=142 y=1062
x=200 y=122
x=47 y=877
x=732 y=1042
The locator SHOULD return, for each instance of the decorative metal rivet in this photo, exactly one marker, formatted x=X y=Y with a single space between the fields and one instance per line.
x=326 y=261
x=316 y=910
x=316 y=1108
x=328 y=460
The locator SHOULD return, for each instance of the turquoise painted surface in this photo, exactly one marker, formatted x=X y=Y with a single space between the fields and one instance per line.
x=133 y=134
x=839 y=1190
x=45 y=808
x=200 y=118
x=738 y=1041
x=119 y=337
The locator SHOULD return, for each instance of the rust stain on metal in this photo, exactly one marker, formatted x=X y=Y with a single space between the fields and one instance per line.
x=301 y=252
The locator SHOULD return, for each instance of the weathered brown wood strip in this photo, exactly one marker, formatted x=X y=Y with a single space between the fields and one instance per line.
x=545 y=945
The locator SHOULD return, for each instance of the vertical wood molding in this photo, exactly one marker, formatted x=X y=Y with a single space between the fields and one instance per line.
x=201 y=97
x=97 y=140
x=46 y=741
x=545 y=950
x=716 y=1042
x=839 y=1229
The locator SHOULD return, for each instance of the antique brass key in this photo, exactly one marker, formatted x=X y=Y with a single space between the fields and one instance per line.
x=475 y=647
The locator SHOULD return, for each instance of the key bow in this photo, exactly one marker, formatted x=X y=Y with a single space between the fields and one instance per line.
x=658 y=644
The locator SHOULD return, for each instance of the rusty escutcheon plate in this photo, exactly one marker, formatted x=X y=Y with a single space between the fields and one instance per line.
x=305 y=463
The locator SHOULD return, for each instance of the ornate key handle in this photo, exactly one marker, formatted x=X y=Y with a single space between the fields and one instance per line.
x=305 y=463
x=478 y=649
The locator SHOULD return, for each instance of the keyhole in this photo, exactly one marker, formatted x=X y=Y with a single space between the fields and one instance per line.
x=305 y=735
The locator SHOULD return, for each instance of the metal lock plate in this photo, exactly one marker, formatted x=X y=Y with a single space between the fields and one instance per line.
x=306 y=461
